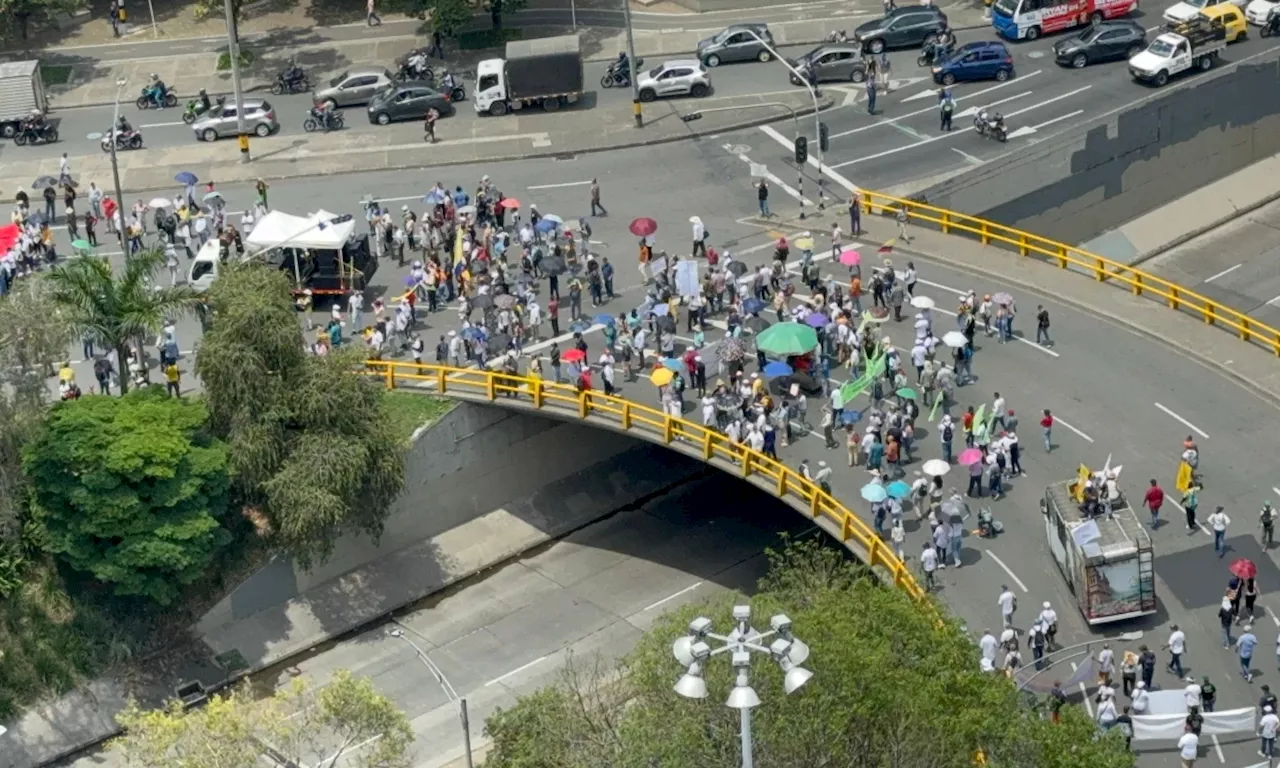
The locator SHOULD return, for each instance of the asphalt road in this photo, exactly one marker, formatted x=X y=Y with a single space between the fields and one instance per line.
x=1120 y=395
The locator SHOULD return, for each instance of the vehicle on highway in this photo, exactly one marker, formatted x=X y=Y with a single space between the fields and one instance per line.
x=1171 y=54
x=36 y=130
x=1181 y=13
x=828 y=63
x=130 y=139
x=907 y=26
x=1029 y=19
x=1272 y=25
x=1231 y=17
x=1258 y=11
x=407 y=101
x=991 y=124
x=679 y=77
x=546 y=72
x=218 y=123
x=736 y=42
x=352 y=88
x=21 y=93
x=1107 y=41
x=986 y=60
x=322 y=119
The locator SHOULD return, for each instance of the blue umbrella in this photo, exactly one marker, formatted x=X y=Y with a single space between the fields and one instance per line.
x=816 y=320
x=753 y=306
x=472 y=333
x=660 y=310
x=435 y=197
x=776 y=369
x=581 y=325
x=673 y=364
x=603 y=319
x=546 y=226
x=898 y=489
x=186 y=177
x=874 y=493
x=850 y=417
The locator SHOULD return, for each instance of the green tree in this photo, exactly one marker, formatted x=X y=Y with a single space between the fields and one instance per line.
x=448 y=17
x=19 y=17
x=313 y=445
x=131 y=490
x=298 y=724
x=891 y=687
x=497 y=8
x=117 y=310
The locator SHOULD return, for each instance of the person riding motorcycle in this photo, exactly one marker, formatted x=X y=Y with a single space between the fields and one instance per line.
x=1272 y=23
x=293 y=74
x=941 y=47
x=123 y=126
x=323 y=115
x=621 y=69
x=448 y=82
x=417 y=64
x=157 y=90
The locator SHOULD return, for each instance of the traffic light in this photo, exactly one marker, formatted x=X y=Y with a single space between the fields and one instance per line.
x=823 y=139
x=802 y=150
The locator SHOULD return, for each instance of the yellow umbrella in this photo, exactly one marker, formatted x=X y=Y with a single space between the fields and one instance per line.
x=66 y=374
x=661 y=377
x=805 y=243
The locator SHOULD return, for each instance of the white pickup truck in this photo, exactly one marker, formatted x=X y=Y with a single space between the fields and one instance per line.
x=1170 y=54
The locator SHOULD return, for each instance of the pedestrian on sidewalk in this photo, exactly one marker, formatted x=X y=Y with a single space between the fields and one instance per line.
x=855 y=215
x=370 y=16
x=437 y=45
x=1218 y=523
x=595 y=199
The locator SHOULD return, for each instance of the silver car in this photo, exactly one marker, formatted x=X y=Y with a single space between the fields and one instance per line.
x=736 y=42
x=351 y=88
x=675 y=78
x=222 y=120
x=842 y=63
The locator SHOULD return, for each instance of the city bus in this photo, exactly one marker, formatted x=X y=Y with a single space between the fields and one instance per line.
x=1029 y=19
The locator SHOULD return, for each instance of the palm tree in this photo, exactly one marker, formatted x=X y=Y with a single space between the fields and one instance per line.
x=116 y=308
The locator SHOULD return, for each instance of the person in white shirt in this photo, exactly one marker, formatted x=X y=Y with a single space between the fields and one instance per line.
x=898 y=535
x=988 y=645
x=1218 y=523
x=1107 y=712
x=1008 y=604
x=1267 y=728
x=928 y=564
x=1189 y=749
x=997 y=410
x=1141 y=700
x=1106 y=663
x=1176 y=646
x=1191 y=694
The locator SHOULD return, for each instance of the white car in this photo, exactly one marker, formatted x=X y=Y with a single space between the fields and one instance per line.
x=1257 y=11
x=675 y=78
x=1181 y=13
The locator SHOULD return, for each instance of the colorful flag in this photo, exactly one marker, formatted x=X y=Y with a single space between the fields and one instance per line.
x=887 y=248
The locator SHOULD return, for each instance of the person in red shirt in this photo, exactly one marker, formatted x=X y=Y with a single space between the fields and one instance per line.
x=1046 y=426
x=1153 y=501
x=967 y=423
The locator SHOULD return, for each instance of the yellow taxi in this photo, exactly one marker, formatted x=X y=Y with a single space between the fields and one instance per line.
x=1229 y=16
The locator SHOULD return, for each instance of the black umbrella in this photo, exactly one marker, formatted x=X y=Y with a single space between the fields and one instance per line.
x=553 y=265
x=42 y=182
x=755 y=324
x=737 y=268
x=497 y=343
x=665 y=323
x=483 y=301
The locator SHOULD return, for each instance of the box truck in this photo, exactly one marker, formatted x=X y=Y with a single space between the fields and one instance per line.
x=21 y=93
x=546 y=72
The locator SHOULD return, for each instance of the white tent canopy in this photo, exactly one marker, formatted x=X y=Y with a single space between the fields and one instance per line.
x=283 y=229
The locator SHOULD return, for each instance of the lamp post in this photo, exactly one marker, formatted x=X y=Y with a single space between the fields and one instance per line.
x=693 y=652
x=1127 y=637
x=115 y=169
x=444 y=684
x=233 y=50
x=635 y=66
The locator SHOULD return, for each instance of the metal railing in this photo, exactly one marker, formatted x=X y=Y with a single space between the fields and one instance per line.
x=1104 y=270
x=656 y=426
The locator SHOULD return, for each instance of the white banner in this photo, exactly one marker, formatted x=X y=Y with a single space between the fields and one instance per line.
x=687 y=278
x=1171 y=727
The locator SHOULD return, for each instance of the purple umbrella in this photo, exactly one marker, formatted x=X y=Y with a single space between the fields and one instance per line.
x=410 y=280
x=816 y=320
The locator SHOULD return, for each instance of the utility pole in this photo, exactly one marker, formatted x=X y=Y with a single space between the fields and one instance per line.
x=115 y=167
x=233 y=49
x=635 y=66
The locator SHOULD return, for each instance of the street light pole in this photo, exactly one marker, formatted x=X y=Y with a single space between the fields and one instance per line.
x=444 y=684
x=693 y=652
x=635 y=66
x=115 y=168
x=233 y=50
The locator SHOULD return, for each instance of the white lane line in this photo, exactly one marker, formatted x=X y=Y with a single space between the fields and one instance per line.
x=1217 y=747
x=1087 y=705
x=927 y=110
x=377 y=199
x=1223 y=273
x=1047 y=102
x=909 y=131
x=968 y=158
x=516 y=671
x=1185 y=423
x=352 y=748
x=671 y=597
x=558 y=186
x=772 y=133
x=1274 y=617
x=1277 y=490
x=1200 y=525
x=1273 y=301
x=1058 y=119
x=161 y=125
x=778 y=182
x=1059 y=420
x=1007 y=570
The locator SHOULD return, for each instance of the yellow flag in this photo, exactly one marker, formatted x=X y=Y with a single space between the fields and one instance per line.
x=1183 y=481
x=1082 y=477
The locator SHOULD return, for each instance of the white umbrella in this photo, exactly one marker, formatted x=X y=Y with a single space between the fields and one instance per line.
x=160 y=202
x=466 y=209
x=552 y=217
x=935 y=467
x=922 y=302
x=954 y=339
x=695 y=220
x=922 y=324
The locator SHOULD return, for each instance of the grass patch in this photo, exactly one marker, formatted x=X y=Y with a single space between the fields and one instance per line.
x=224 y=60
x=411 y=410
x=55 y=74
x=488 y=38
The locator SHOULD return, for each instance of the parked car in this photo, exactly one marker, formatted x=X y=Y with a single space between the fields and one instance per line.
x=736 y=43
x=221 y=121
x=1231 y=18
x=675 y=78
x=987 y=60
x=1180 y=13
x=407 y=101
x=351 y=88
x=1258 y=11
x=904 y=27
x=1104 y=41
x=842 y=62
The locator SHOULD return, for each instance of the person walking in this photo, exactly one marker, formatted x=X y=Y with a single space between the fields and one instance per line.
x=1153 y=500
x=1042 y=326
x=595 y=199
x=928 y=565
x=1008 y=603
x=1268 y=724
x=1218 y=523
x=1190 y=501
x=1177 y=645
x=370 y=16
x=1147 y=665
x=871 y=95
x=762 y=197
x=855 y=215
x=1046 y=428
x=429 y=124
x=1244 y=648
x=1189 y=749
x=946 y=107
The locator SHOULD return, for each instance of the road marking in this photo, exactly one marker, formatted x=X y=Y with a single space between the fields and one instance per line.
x=1217 y=747
x=1273 y=301
x=1038 y=105
x=1223 y=273
x=1060 y=420
x=1007 y=570
x=968 y=158
x=1088 y=706
x=516 y=671
x=1200 y=525
x=823 y=168
x=777 y=181
x=961 y=293
x=1186 y=423
x=908 y=130
x=927 y=110
x=1274 y=617
x=971 y=111
x=1277 y=490
x=558 y=186
x=352 y=748
x=671 y=597
x=1028 y=130
x=160 y=125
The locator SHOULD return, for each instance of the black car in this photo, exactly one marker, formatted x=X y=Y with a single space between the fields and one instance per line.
x=407 y=101
x=1104 y=41
x=905 y=27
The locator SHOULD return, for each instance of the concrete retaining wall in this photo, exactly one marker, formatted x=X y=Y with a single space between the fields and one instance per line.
x=1084 y=182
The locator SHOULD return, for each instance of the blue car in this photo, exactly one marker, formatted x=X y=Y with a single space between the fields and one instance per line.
x=975 y=61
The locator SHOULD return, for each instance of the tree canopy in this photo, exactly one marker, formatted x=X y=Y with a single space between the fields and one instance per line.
x=891 y=687
x=347 y=721
x=18 y=17
x=131 y=490
x=312 y=445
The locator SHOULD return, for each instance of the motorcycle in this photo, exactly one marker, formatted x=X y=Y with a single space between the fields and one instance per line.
x=1272 y=27
x=991 y=124
x=614 y=78
x=988 y=526
x=838 y=36
x=454 y=89
x=408 y=72
x=933 y=53
x=145 y=101
x=123 y=140
x=35 y=133
x=291 y=80
x=322 y=120
x=195 y=109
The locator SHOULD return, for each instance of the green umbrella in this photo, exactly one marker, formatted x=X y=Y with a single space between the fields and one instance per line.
x=81 y=245
x=787 y=339
x=906 y=393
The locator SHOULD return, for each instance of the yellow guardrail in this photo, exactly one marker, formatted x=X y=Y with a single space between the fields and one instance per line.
x=1138 y=282
x=656 y=426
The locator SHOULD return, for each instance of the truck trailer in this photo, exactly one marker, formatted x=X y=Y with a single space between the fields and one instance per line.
x=21 y=93
x=546 y=72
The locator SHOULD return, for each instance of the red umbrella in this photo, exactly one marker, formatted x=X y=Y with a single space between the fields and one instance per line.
x=508 y=202
x=9 y=235
x=643 y=227
x=1244 y=568
x=574 y=355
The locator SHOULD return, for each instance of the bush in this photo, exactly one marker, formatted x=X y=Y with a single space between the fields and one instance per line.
x=224 y=60
x=488 y=38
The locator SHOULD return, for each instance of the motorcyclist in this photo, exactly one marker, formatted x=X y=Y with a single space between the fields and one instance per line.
x=293 y=74
x=1273 y=20
x=205 y=104
x=941 y=47
x=448 y=82
x=417 y=64
x=622 y=67
x=323 y=115
x=157 y=90
x=123 y=126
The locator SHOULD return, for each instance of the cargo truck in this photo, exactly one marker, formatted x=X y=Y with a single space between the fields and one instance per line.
x=21 y=93
x=1192 y=45
x=546 y=72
